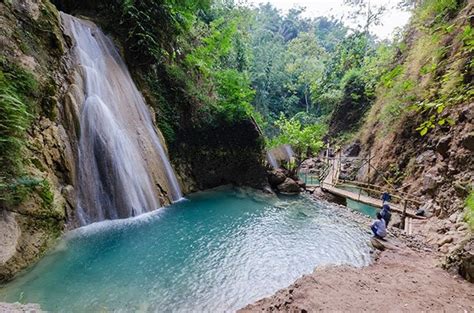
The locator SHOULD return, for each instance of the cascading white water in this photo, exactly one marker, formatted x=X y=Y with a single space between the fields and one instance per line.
x=288 y=151
x=120 y=155
x=271 y=160
x=279 y=154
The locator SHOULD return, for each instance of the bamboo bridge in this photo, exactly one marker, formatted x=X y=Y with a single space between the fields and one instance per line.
x=329 y=180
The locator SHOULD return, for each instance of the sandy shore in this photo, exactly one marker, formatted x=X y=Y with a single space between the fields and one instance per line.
x=405 y=277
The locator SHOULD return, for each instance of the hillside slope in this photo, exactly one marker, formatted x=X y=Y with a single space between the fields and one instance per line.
x=420 y=131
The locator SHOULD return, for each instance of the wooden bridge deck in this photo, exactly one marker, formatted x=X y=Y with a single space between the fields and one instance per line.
x=329 y=184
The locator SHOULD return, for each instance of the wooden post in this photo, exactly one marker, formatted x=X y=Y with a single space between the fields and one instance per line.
x=327 y=154
x=368 y=169
x=404 y=214
x=339 y=170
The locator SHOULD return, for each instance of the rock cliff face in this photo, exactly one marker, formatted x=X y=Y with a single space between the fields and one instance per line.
x=421 y=139
x=32 y=40
x=219 y=154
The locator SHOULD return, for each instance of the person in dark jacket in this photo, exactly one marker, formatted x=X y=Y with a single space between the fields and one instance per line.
x=386 y=215
x=386 y=197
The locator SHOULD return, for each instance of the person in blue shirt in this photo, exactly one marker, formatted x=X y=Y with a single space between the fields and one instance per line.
x=386 y=215
x=378 y=227
x=386 y=197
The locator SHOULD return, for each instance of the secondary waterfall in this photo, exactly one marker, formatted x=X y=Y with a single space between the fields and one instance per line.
x=288 y=151
x=121 y=158
x=280 y=154
x=271 y=160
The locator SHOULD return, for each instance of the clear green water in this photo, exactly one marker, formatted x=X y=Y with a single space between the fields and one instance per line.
x=362 y=207
x=309 y=179
x=359 y=206
x=217 y=251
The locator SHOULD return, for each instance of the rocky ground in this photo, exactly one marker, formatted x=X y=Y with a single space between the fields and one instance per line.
x=285 y=182
x=19 y=308
x=406 y=277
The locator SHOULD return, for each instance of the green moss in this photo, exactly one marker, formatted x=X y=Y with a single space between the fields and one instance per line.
x=435 y=73
x=49 y=100
x=46 y=194
x=18 y=190
x=37 y=163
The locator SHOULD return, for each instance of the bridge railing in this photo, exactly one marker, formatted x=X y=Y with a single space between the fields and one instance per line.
x=316 y=178
x=404 y=200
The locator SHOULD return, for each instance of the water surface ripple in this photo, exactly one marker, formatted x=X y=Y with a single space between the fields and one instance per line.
x=217 y=251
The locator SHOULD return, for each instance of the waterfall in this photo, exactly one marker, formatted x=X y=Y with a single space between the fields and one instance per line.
x=288 y=151
x=271 y=160
x=121 y=158
x=279 y=154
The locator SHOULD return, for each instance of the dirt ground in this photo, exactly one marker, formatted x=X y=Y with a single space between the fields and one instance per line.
x=401 y=279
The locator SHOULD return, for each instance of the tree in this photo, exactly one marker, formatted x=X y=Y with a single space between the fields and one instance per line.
x=305 y=140
x=366 y=13
x=305 y=65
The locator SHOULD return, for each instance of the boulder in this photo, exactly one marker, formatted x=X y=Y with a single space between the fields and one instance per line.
x=466 y=268
x=445 y=240
x=468 y=141
x=308 y=163
x=467 y=114
x=353 y=149
x=430 y=182
x=377 y=244
x=396 y=221
x=453 y=217
x=301 y=183
x=442 y=146
x=276 y=177
x=268 y=190
x=289 y=186
x=427 y=156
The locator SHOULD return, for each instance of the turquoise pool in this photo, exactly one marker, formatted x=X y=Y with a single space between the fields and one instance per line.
x=217 y=251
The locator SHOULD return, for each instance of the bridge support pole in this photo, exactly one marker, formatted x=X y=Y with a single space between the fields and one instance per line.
x=404 y=214
x=368 y=169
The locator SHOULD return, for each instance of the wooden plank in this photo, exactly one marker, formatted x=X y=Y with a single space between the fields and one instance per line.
x=366 y=200
x=328 y=184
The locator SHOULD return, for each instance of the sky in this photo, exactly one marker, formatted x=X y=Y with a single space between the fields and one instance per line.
x=392 y=18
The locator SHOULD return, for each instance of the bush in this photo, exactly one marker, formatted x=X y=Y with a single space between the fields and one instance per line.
x=305 y=140
x=438 y=9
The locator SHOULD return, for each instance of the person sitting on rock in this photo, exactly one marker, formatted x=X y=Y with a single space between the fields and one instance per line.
x=386 y=215
x=378 y=227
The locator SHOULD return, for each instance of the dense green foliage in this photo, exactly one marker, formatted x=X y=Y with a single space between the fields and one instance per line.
x=206 y=61
x=435 y=73
x=285 y=64
x=17 y=87
x=304 y=138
